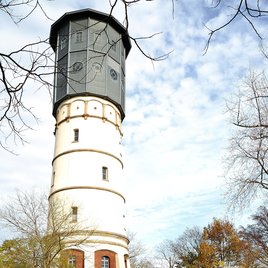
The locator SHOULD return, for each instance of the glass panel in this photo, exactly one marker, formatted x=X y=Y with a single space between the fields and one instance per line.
x=76 y=134
x=105 y=262
x=63 y=43
x=74 y=214
x=79 y=37
x=72 y=261
x=104 y=173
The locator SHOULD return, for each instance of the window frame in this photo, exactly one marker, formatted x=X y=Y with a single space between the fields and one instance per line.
x=105 y=173
x=63 y=43
x=76 y=135
x=72 y=261
x=74 y=214
x=79 y=37
x=53 y=178
x=105 y=262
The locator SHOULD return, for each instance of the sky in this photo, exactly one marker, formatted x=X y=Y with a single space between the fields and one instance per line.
x=176 y=128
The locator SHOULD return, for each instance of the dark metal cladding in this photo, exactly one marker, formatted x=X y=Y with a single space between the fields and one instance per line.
x=85 y=13
x=91 y=48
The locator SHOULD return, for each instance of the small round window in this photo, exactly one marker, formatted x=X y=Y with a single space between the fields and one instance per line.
x=77 y=66
x=113 y=74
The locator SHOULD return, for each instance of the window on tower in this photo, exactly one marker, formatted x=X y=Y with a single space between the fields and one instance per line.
x=63 y=43
x=53 y=178
x=105 y=262
x=105 y=173
x=79 y=37
x=76 y=135
x=74 y=214
x=126 y=260
x=72 y=261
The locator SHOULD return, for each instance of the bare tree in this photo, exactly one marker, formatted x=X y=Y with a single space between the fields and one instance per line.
x=246 y=161
x=166 y=255
x=256 y=236
x=137 y=253
x=181 y=252
x=187 y=246
x=26 y=217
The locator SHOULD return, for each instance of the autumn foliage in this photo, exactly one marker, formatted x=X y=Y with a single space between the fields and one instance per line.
x=221 y=245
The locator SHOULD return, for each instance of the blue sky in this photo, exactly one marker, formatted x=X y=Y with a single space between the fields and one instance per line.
x=176 y=129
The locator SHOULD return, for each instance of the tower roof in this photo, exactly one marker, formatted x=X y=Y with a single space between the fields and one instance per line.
x=84 y=13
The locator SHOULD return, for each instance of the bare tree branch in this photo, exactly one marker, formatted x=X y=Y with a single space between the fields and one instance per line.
x=18 y=68
x=10 y=8
x=248 y=10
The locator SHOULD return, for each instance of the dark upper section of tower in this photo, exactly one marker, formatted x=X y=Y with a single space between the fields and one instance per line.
x=91 y=48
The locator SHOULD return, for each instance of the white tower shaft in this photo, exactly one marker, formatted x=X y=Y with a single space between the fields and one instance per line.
x=87 y=172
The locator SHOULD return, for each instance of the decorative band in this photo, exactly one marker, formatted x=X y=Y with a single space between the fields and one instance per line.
x=100 y=242
x=90 y=234
x=88 y=150
x=85 y=116
x=87 y=187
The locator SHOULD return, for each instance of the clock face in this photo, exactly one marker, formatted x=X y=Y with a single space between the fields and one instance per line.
x=77 y=66
x=113 y=74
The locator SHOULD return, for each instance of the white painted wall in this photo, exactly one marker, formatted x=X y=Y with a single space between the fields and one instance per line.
x=77 y=172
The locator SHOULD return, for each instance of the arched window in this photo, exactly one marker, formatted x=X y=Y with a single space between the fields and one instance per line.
x=105 y=262
x=126 y=260
x=72 y=258
x=105 y=258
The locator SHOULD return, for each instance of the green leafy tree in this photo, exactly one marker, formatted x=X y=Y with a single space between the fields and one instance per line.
x=16 y=254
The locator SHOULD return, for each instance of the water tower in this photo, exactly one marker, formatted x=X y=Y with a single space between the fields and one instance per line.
x=89 y=106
